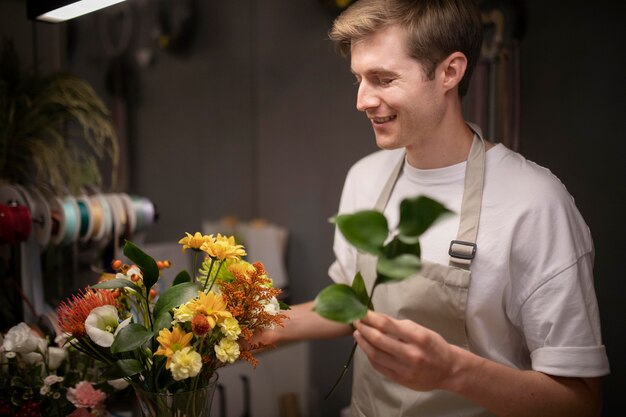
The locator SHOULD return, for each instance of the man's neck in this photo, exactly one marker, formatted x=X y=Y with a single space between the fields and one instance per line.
x=449 y=144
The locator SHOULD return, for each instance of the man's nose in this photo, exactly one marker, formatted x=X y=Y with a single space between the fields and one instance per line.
x=366 y=97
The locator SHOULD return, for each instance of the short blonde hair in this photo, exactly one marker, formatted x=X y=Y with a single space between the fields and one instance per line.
x=434 y=28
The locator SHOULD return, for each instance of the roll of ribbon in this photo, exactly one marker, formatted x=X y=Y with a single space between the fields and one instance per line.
x=86 y=218
x=131 y=224
x=57 y=214
x=144 y=212
x=17 y=216
x=107 y=219
x=72 y=220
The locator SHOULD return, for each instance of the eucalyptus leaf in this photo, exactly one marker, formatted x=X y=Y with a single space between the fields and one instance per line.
x=398 y=268
x=130 y=338
x=182 y=276
x=397 y=246
x=123 y=368
x=366 y=230
x=175 y=296
x=358 y=285
x=339 y=302
x=145 y=262
x=118 y=283
x=418 y=214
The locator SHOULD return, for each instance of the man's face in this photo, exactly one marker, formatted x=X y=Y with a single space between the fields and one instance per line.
x=403 y=106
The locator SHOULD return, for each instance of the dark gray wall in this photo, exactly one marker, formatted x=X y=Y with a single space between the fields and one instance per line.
x=573 y=100
x=258 y=120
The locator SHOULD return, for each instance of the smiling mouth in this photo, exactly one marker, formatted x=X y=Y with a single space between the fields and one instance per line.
x=381 y=120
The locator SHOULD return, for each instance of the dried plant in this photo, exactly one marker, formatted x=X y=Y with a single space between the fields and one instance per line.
x=54 y=129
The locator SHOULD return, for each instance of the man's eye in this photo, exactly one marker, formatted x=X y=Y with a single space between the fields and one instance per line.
x=385 y=81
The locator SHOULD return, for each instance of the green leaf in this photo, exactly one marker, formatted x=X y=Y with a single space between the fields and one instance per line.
x=183 y=276
x=366 y=230
x=398 y=247
x=283 y=305
x=358 y=285
x=145 y=262
x=123 y=368
x=118 y=283
x=130 y=338
x=418 y=214
x=164 y=321
x=398 y=268
x=339 y=302
x=175 y=296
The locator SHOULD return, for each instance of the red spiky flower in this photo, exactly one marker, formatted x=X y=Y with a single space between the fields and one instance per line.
x=73 y=312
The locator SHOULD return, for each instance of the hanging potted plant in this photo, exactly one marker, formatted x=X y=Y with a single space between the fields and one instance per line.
x=54 y=129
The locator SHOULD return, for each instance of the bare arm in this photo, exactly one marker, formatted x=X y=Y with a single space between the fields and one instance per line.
x=421 y=359
x=303 y=324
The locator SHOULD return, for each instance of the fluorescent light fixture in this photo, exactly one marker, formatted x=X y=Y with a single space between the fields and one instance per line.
x=60 y=10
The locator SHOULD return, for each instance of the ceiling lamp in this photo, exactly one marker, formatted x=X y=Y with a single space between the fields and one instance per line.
x=60 y=10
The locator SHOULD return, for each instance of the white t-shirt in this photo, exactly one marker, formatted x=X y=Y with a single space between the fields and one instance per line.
x=531 y=302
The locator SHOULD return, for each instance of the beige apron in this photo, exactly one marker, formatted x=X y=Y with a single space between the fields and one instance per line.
x=435 y=298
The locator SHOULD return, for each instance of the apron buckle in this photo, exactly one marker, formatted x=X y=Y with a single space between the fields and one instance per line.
x=461 y=249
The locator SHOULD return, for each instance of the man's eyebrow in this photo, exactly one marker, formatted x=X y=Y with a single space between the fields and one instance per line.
x=376 y=70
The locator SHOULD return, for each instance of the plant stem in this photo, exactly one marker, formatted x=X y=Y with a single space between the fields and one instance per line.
x=216 y=273
x=208 y=275
x=343 y=371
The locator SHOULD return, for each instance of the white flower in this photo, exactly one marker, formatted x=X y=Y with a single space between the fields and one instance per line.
x=11 y=355
x=103 y=324
x=56 y=356
x=183 y=314
x=52 y=379
x=44 y=390
x=21 y=339
x=186 y=363
x=32 y=358
x=230 y=328
x=272 y=307
x=227 y=350
x=118 y=384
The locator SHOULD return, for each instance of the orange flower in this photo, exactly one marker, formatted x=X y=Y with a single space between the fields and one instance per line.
x=73 y=312
x=200 y=325
x=171 y=342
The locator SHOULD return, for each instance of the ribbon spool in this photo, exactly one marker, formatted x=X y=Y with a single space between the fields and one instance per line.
x=57 y=214
x=127 y=204
x=16 y=217
x=145 y=212
x=87 y=218
x=102 y=218
x=72 y=220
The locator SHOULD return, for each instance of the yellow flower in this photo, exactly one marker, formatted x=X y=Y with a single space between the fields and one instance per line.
x=212 y=306
x=227 y=350
x=183 y=314
x=195 y=242
x=223 y=247
x=172 y=342
x=186 y=363
x=241 y=268
x=230 y=328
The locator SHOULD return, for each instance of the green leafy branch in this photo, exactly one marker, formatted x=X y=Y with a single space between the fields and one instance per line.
x=398 y=258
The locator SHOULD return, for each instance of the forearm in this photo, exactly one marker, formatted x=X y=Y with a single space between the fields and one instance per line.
x=509 y=392
x=304 y=324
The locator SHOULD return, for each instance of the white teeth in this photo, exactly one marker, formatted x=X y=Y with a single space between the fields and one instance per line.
x=383 y=119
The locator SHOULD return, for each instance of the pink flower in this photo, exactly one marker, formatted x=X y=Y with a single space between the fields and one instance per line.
x=84 y=395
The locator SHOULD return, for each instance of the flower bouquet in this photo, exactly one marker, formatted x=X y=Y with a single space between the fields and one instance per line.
x=37 y=378
x=168 y=346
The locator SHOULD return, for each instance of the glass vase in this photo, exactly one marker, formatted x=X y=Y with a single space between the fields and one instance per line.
x=196 y=403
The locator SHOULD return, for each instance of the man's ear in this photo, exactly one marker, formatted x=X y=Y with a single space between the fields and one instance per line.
x=452 y=70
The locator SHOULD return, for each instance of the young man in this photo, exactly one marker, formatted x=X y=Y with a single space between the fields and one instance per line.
x=504 y=322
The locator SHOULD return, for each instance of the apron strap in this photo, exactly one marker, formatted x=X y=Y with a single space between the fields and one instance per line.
x=463 y=249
